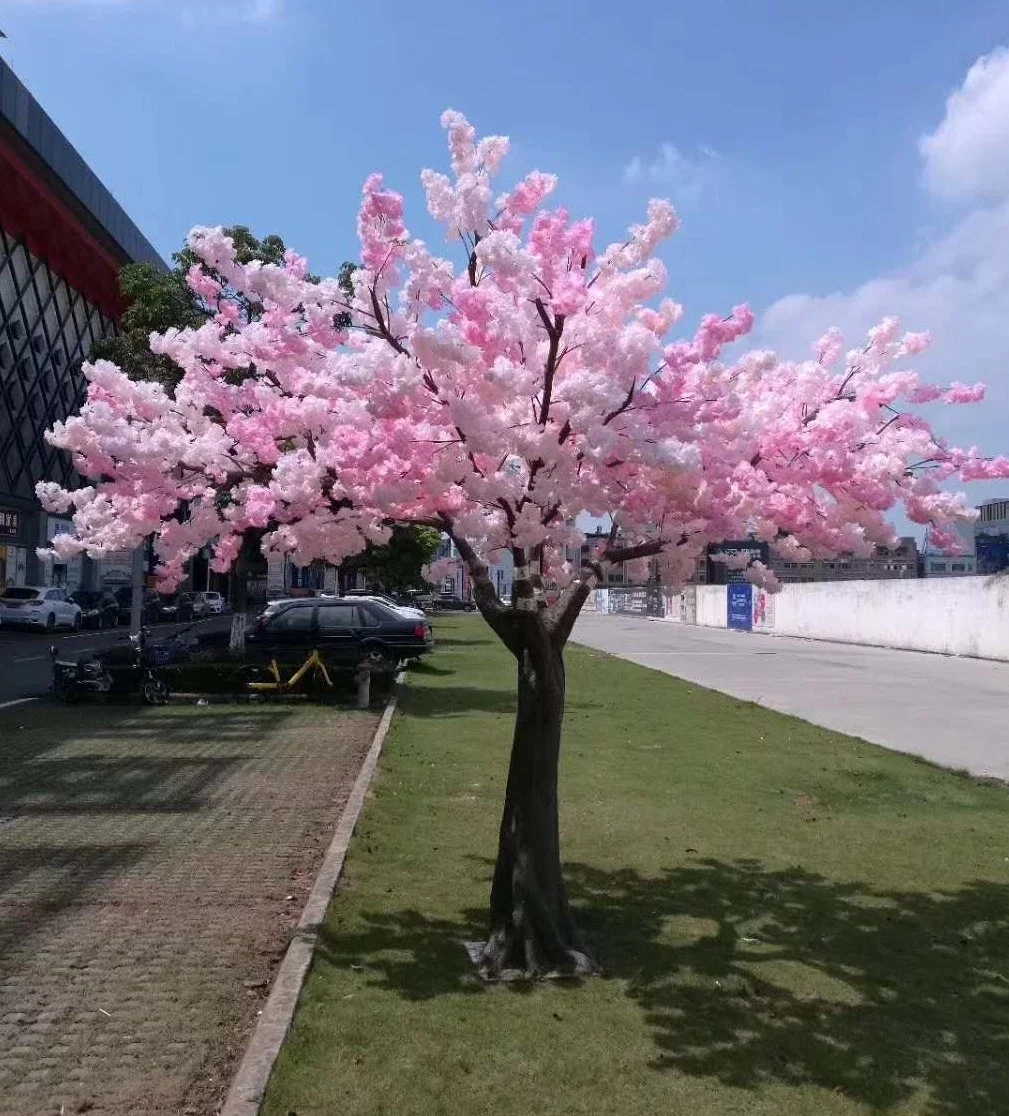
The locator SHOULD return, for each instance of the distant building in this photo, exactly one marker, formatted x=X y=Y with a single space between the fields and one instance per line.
x=985 y=545
x=457 y=581
x=620 y=575
x=935 y=562
x=991 y=536
x=885 y=563
x=720 y=572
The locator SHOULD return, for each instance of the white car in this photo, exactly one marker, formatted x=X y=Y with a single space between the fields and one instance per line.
x=208 y=603
x=403 y=610
x=38 y=606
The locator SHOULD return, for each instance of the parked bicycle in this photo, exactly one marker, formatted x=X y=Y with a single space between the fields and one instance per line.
x=131 y=667
x=313 y=666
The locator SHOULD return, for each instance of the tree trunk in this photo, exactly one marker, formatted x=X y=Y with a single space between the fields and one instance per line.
x=532 y=932
x=238 y=598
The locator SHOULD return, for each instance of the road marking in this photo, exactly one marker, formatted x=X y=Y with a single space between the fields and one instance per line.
x=16 y=701
x=693 y=654
x=32 y=659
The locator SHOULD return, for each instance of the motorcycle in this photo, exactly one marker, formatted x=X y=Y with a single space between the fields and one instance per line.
x=124 y=668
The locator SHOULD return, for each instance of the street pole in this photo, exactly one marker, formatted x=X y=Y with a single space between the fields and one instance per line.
x=137 y=598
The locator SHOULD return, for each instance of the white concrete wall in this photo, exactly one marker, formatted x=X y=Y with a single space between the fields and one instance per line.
x=955 y=616
x=952 y=616
x=711 y=606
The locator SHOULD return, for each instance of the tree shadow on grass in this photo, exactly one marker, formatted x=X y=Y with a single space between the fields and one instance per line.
x=758 y=977
x=449 y=701
x=418 y=956
x=455 y=641
x=426 y=667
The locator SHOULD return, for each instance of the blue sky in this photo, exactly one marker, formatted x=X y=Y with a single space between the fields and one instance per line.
x=786 y=132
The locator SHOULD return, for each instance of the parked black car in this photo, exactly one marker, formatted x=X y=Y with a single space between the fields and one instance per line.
x=345 y=631
x=149 y=609
x=99 y=608
x=449 y=603
x=174 y=606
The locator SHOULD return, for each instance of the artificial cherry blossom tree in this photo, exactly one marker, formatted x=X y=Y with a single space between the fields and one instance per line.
x=500 y=402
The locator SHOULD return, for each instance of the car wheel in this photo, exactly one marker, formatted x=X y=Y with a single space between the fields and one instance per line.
x=51 y=622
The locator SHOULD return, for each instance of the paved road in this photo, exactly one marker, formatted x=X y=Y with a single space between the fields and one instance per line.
x=24 y=655
x=953 y=711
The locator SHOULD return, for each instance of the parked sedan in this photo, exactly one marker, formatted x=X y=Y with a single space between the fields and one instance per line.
x=99 y=608
x=174 y=606
x=450 y=603
x=38 y=606
x=148 y=610
x=343 y=629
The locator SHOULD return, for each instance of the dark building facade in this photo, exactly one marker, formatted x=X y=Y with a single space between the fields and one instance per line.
x=63 y=238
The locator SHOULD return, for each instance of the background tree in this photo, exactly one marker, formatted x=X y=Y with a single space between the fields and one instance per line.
x=398 y=565
x=159 y=301
x=499 y=404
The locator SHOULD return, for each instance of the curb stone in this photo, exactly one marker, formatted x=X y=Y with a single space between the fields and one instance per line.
x=249 y=1085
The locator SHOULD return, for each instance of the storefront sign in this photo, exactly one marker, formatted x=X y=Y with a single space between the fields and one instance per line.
x=10 y=523
x=56 y=527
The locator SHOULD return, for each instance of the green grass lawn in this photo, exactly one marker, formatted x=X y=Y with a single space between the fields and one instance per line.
x=791 y=921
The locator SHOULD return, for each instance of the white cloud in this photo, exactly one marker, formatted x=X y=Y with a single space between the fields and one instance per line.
x=684 y=176
x=956 y=285
x=967 y=156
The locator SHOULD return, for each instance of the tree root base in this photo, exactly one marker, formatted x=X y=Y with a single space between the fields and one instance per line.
x=577 y=966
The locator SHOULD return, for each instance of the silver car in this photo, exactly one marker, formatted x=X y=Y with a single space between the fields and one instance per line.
x=38 y=606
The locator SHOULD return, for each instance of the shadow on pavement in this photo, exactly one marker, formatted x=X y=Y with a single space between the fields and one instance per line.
x=38 y=883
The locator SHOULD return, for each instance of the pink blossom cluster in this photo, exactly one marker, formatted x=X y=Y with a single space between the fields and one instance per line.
x=502 y=396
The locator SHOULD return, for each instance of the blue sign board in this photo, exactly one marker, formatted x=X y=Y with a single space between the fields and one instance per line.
x=739 y=597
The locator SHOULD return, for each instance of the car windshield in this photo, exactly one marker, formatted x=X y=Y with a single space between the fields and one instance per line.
x=86 y=598
x=19 y=593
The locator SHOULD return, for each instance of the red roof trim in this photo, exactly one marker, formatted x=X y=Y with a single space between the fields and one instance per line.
x=30 y=210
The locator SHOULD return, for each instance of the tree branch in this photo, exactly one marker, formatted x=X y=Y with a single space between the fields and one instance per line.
x=568 y=608
x=554 y=330
x=642 y=550
x=623 y=406
x=501 y=619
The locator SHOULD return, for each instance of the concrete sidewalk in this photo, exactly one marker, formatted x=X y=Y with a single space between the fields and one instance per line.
x=953 y=711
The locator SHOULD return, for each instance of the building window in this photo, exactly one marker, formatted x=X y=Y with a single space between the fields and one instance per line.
x=958 y=567
x=937 y=567
x=40 y=364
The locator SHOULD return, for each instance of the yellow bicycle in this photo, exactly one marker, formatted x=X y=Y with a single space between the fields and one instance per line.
x=312 y=665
